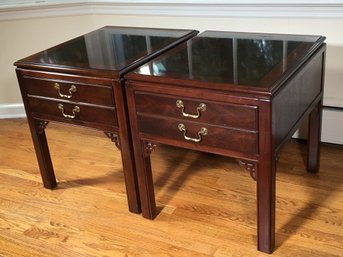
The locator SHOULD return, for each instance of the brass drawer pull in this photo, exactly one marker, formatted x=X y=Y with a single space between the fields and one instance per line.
x=202 y=132
x=201 y=108
x=75 y=110
x=72 y=90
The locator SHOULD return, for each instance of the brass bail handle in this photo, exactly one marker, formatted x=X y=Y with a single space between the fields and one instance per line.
x=71 y=90
x=202 y=132
x=201 y=108
x=75 y=110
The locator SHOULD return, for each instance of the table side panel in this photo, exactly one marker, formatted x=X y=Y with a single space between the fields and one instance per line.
x=292 y=101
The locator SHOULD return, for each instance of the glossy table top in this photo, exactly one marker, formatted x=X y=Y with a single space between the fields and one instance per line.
x=234 y=59
x=112 y=49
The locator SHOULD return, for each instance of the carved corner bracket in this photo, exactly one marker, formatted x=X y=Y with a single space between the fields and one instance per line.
x=149 y=148
x=41 y=125
x=114 y=138
x=249 y=166
x=277 y=157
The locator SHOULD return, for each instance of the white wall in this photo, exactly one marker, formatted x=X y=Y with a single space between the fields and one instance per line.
x=22 y=37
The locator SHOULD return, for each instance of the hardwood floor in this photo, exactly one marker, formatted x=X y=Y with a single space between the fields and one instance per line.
x=207 y=203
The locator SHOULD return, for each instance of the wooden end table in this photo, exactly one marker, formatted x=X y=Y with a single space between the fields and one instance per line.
x=80 y=82
x=241 y=95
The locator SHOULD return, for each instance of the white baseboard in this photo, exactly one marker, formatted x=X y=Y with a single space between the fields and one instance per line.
x=332 y=127
x=10 y=111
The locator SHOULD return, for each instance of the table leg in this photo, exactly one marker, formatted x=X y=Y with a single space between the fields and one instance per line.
x=42 y=153
x=266 y=205
x=126 y=146
x=130 y=178
x=314 y=134
x=145 y=180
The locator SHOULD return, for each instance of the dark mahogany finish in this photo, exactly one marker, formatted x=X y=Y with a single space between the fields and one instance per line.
x=80 y=82
x=256 y=88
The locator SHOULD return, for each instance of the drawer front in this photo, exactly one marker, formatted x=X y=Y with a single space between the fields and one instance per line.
x=199 y=134
x=215 y=113
x=69 y=90
x=72 y=113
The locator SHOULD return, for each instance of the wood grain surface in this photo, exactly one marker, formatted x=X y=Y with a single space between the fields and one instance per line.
x=206 y=203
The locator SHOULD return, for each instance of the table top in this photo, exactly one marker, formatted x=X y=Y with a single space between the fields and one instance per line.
x=109 y=50
x=232 y=60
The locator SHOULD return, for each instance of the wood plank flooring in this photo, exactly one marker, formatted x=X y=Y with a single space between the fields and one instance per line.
x=207 y=202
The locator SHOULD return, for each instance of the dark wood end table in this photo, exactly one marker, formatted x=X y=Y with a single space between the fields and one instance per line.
x=240 y=95
x=80 y=82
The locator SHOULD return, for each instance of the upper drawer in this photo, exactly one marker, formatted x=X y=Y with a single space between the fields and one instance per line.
x=204 y=111
x=69 y=90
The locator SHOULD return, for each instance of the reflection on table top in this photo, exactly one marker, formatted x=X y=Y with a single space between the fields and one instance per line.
x=243 y=59
x=108 y=48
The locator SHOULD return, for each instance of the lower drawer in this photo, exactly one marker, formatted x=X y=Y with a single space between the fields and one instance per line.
x=86 y=115
x=200 y=135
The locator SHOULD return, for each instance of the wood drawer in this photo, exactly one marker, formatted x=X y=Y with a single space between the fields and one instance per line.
x=216 y=113
x=86 y=93
x=235 y=140
x=87 y=114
